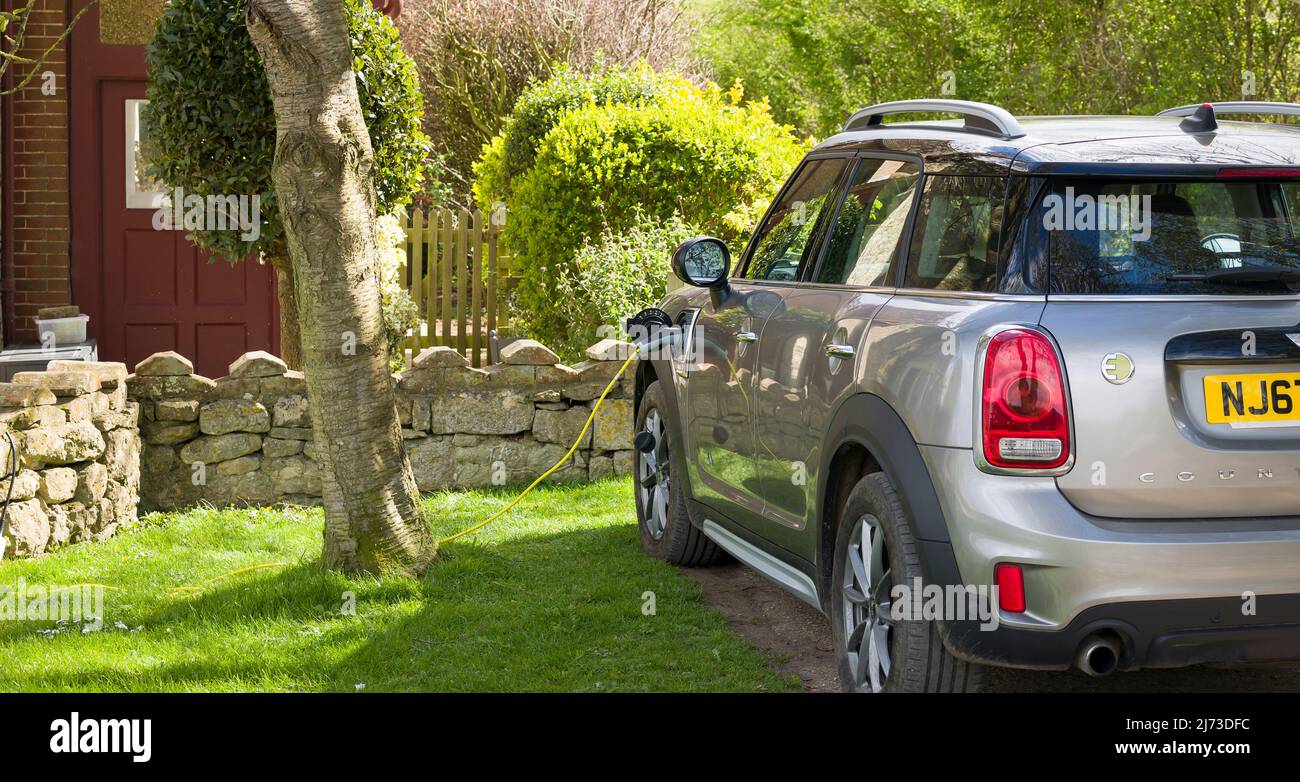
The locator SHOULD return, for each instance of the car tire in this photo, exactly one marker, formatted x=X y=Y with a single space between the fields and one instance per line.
x=902 y=655
x=662 y=511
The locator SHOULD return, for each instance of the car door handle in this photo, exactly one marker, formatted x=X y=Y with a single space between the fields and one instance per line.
x=840 y=351
x=746 y=336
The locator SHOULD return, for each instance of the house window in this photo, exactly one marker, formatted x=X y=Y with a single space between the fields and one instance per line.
x=142 y=191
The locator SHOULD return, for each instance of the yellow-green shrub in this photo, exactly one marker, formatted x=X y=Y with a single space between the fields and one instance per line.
x=691 y=152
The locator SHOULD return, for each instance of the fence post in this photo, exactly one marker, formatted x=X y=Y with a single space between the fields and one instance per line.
x=462 y=264
x=415 y=267
x=444 y=294
x=491 y=277
x=476 y=279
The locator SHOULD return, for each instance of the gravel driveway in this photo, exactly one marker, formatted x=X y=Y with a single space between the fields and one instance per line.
x=797 y=639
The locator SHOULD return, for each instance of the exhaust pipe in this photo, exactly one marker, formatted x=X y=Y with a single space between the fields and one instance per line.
x=1098 y=655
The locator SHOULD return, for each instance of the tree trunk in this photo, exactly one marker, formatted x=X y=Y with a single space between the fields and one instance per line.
x=324 y=179
x=290 y=333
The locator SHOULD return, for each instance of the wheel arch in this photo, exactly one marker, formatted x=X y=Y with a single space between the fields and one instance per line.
x=647 y=373
x=867 y=435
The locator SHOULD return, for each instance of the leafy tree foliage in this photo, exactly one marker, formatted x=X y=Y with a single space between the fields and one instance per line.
x=817 y=61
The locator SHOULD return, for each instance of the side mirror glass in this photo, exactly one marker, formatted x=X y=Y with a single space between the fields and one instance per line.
x=703 y=262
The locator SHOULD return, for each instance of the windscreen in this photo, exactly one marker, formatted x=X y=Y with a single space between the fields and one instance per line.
x=1212 y=237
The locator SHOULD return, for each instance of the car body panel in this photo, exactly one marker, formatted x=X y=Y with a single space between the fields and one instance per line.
x=1145 y=449
x=1121 y=529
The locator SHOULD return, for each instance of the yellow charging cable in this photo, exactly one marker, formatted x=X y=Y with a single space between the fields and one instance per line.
x=481 y=524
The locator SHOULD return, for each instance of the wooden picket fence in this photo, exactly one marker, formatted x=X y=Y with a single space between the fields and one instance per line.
x=459 y=274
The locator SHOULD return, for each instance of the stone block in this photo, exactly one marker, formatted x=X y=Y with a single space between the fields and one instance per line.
x=169 y=433
x=481 y=412
x=182 y=410
x=58 y=484
x=258 y=363
x=291 y=411
x=613 y=425
x=528 y=352
x=234 y=415
x=168 y=363
x=62 y=444
x=562 y=427
x=211 y=449
x=439 y=357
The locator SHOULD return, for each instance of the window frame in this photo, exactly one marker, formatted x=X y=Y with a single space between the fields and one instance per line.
x=814 y=249
x=1002 y=234
x=904 y=241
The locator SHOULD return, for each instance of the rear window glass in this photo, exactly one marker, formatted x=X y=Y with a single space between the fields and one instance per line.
x=1220 y=237
x=955 y=241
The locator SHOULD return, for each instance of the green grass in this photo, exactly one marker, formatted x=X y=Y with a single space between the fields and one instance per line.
x=548 y=598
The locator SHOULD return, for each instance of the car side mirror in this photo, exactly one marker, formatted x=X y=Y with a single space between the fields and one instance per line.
x=703 y=262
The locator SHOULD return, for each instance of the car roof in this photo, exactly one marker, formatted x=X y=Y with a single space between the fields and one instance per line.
x=1116 y=145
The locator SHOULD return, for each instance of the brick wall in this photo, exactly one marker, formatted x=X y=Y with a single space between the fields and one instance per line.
x=41 y=220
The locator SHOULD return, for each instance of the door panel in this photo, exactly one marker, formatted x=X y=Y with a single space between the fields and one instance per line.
x=717 y=407
x=216 y=310
x=810 y=359
x=146 y=290
x=721 y=390
x=798 y=390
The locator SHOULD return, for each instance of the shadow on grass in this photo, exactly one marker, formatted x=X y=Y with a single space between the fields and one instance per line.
x=541 y=612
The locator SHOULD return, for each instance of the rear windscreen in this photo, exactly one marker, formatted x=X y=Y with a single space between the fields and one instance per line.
x=1217 y=237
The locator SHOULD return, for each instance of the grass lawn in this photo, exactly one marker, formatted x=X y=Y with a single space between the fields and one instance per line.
x=548 y=598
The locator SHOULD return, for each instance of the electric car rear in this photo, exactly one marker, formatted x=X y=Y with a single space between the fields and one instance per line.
x=1000 y=391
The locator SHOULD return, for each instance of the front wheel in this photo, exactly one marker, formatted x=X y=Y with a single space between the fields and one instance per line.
x=877 y=652
x=661 y=508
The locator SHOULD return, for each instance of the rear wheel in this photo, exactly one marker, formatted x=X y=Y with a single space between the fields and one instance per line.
x=661 y=508
x=874 y=552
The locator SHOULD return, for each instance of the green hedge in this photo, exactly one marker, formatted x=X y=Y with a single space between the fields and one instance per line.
x=540 y=108
x=692 y=153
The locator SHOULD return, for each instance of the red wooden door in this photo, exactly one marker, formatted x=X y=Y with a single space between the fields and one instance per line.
x=146 y=290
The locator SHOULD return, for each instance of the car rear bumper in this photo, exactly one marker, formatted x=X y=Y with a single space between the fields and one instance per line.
x=1151 y=634
x=1180 y=589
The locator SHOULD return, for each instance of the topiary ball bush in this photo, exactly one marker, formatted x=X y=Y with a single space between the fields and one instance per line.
x=211 y=125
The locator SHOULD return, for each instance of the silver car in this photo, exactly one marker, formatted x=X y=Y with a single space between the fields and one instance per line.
x=999 y=391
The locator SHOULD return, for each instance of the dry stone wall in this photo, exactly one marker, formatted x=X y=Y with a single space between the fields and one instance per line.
x=246 y=439
x=76 y=476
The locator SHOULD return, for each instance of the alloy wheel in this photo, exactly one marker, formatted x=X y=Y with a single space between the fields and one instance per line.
x=865 y=600
x=654 y=479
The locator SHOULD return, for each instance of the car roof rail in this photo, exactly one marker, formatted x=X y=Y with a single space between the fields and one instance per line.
x=1236 y=107
x=984 y=118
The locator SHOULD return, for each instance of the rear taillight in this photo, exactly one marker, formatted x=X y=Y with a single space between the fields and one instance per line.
x=1026 y=421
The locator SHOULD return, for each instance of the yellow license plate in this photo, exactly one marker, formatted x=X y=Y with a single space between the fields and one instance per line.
x=1253 y=400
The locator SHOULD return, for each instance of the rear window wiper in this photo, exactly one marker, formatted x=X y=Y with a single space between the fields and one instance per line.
x=1245 y=274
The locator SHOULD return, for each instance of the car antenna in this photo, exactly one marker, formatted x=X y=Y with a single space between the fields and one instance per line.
x=1200 y=121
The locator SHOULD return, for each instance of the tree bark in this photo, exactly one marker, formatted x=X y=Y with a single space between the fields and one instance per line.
x=290 y=333
x=324 y=179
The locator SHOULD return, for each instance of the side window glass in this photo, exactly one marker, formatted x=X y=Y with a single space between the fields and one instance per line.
x=864 y=240
x=955 y=242
x=785 y=236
